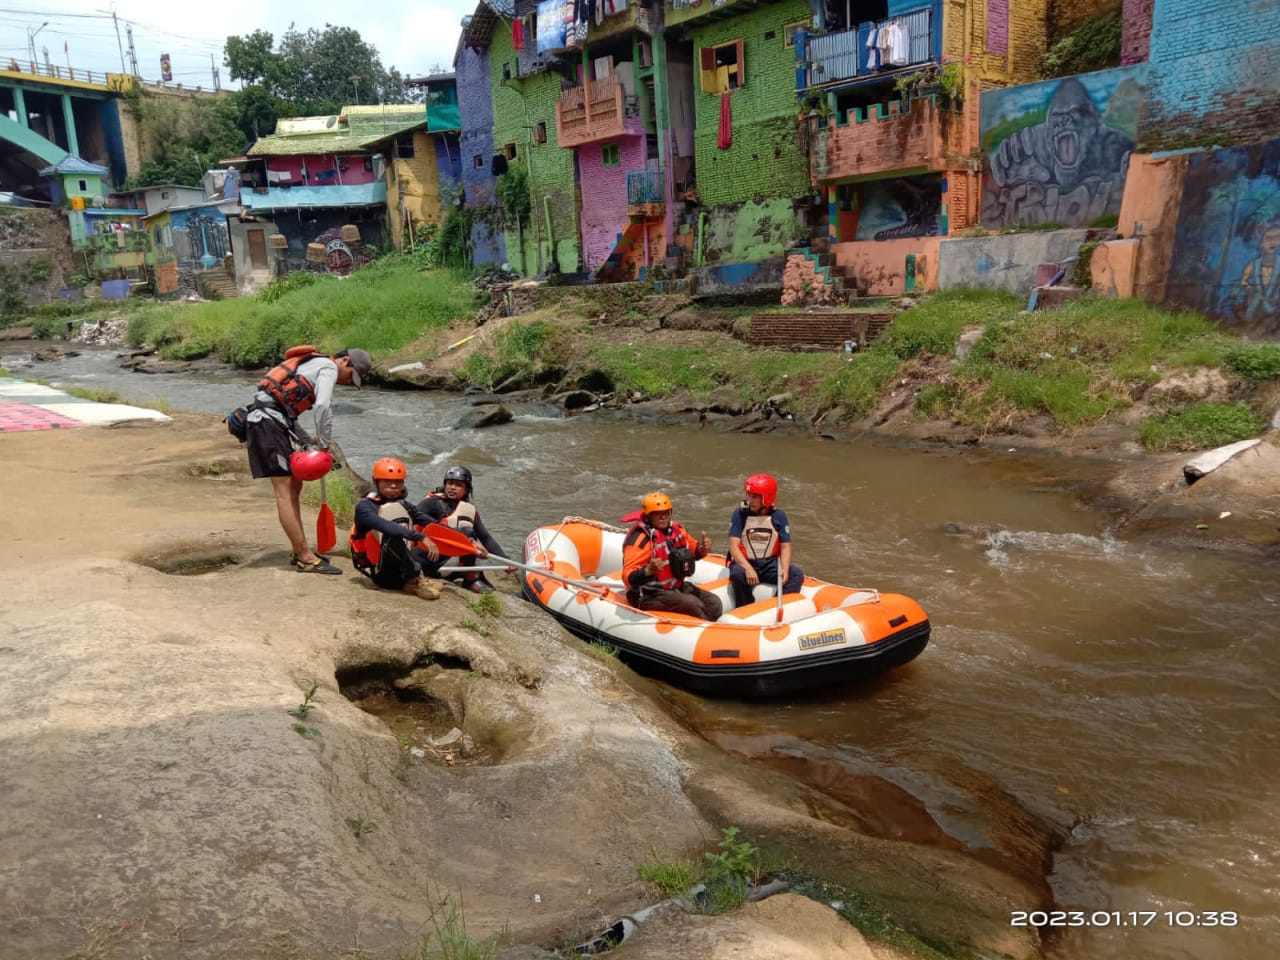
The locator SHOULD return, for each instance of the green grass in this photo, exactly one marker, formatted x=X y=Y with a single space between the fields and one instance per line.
x=342 y=500
x=669 y=878
x=1076 y=364
x=1200 y=426
x=1254 y=362
x=379 y=308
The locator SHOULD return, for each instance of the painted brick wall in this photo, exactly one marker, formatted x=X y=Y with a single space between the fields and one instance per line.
x=765 y=167
x=1216 y=66
x=1001 y=42
x=604 y=196
x=518 y=106
x=1136 y=37
x=764 y=159
x=476 y=145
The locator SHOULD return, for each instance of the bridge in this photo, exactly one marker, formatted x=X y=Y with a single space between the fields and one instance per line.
x=48 y=112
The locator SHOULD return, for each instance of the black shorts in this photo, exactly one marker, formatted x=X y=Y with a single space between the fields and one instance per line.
x=269 y=449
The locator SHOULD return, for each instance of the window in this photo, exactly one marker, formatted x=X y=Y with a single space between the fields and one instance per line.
x=156 y=234
x=478 y=162
x=610 y=155
x=722 y=67
x=84 y=186
x=164 y=194
x=509 y=151
x=790 y=30
x=540 y=133
x=404 y=147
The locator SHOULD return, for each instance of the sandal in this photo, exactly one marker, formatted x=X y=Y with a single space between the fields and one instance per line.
x=320 y=565
x=293 y=558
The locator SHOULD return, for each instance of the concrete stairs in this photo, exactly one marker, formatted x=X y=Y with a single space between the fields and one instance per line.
x=818 y=250
x=216 y=284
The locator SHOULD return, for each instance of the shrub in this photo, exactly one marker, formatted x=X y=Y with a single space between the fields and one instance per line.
x=1199 y=426
x=1254 y=362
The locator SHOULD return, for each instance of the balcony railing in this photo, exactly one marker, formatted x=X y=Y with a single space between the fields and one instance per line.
x=887 y=138
x=591 y=112
x=832 y=57
x=645 y=186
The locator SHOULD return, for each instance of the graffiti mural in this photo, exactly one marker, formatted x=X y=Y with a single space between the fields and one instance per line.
x=1226 y=254
x=903 y=207
x=1057 y=151
x=200 y=240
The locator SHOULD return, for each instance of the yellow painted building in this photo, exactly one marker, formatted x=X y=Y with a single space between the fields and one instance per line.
x=413 y=188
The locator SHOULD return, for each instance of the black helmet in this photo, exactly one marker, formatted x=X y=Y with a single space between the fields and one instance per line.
x=457 y=472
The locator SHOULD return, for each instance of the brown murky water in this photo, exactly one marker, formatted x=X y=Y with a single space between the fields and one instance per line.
x=1120 y=695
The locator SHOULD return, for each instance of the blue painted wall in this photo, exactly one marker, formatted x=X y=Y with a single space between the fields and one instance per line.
x=1215 y=71
x=1057 y=151
x=476 y=146
x=1226 y=256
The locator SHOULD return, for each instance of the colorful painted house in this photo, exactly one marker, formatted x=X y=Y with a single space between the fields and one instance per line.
x=77 y=185
x=475 y=103
x=734 y=145
x=427 y=184
x=541 y=234
x=188 y=239
x=890 y=96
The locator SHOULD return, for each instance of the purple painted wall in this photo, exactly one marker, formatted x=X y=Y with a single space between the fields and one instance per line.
x=998 y=26
x=604 y=196
x=476 y=147
x=1136 y=37
x=448 y=163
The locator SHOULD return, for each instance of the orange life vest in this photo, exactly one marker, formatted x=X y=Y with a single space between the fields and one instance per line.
x=366 y=551
x=664 y=544
x=293 y=394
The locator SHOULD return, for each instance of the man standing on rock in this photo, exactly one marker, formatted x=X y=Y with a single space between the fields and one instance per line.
x=303 y=381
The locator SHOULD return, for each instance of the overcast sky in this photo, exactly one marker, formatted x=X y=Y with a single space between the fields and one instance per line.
x=411 y=36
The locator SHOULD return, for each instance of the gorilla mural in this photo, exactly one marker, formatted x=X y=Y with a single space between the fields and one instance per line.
x=1069 y=169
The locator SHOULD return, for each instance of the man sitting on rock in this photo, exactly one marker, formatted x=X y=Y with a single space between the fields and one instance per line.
x=383 y=534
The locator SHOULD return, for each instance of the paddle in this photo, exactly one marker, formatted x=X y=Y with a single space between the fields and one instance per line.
x=326 y=527
x=601 y=588
x=779 y=620
x=455 y=543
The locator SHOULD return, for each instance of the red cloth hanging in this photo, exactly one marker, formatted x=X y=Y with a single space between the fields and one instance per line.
x=517 y=34
x=725 y=140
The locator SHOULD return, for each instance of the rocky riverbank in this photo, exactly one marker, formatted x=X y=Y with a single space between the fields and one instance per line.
x=207 y=753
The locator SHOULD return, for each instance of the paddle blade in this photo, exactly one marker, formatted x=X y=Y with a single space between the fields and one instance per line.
x=633 y=517
x=450 y=542
x=326 y=527
x=779 y=620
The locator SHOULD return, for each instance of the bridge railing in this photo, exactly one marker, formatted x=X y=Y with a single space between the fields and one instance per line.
x=53 y=71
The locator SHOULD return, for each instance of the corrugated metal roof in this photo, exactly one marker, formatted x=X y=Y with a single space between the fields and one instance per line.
x=356 y=128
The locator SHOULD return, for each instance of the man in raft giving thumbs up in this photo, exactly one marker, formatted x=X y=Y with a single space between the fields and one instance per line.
x=657 y=557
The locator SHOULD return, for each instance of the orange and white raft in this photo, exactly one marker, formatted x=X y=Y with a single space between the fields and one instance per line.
x=828 y=633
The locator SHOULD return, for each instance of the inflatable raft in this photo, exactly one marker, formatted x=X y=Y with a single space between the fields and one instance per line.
x=828 y=633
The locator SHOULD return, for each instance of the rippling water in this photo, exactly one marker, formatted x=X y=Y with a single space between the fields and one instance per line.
x=1123 y=695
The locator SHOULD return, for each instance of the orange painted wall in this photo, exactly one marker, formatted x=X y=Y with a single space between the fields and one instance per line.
x=1149 y=211
x=880 y=265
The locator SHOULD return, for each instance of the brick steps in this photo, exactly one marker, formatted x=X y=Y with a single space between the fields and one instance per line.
x=217 y=282
x=817 y=330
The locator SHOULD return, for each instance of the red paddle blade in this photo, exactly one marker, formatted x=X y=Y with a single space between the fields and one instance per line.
x=450 y=542
x=633 y=517
x=326 y=530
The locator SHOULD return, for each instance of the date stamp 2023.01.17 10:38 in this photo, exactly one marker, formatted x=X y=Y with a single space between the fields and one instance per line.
x=1124 y=918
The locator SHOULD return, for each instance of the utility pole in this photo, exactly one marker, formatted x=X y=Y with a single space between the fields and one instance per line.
x=133 y=55
x=214 y=67
x=116 y=21
x=355 y=82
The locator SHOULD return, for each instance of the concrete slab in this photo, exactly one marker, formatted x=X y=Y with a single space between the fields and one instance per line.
x=33 y=406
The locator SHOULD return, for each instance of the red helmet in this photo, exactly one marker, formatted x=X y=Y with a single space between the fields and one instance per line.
x=389 y=468
x=764 y=485
x=310 y=464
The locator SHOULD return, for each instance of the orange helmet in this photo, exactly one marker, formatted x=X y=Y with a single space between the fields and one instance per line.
x=389 y=468
x=655 y=502
x=764 y=485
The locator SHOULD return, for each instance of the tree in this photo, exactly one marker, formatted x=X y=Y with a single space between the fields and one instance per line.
x=189 y=138
x=314 y=72
x=249 y=57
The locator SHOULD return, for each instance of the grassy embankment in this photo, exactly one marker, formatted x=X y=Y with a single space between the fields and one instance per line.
x=1070 y=367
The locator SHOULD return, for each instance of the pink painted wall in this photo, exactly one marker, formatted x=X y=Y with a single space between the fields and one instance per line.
x=604 y=196
x=880 y=265
x=316 y=163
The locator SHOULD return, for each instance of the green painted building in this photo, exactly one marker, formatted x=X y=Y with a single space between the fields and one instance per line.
x=525 y=93
x=747 y=190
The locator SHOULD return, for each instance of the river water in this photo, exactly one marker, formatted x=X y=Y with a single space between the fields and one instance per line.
x=1123 y=695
